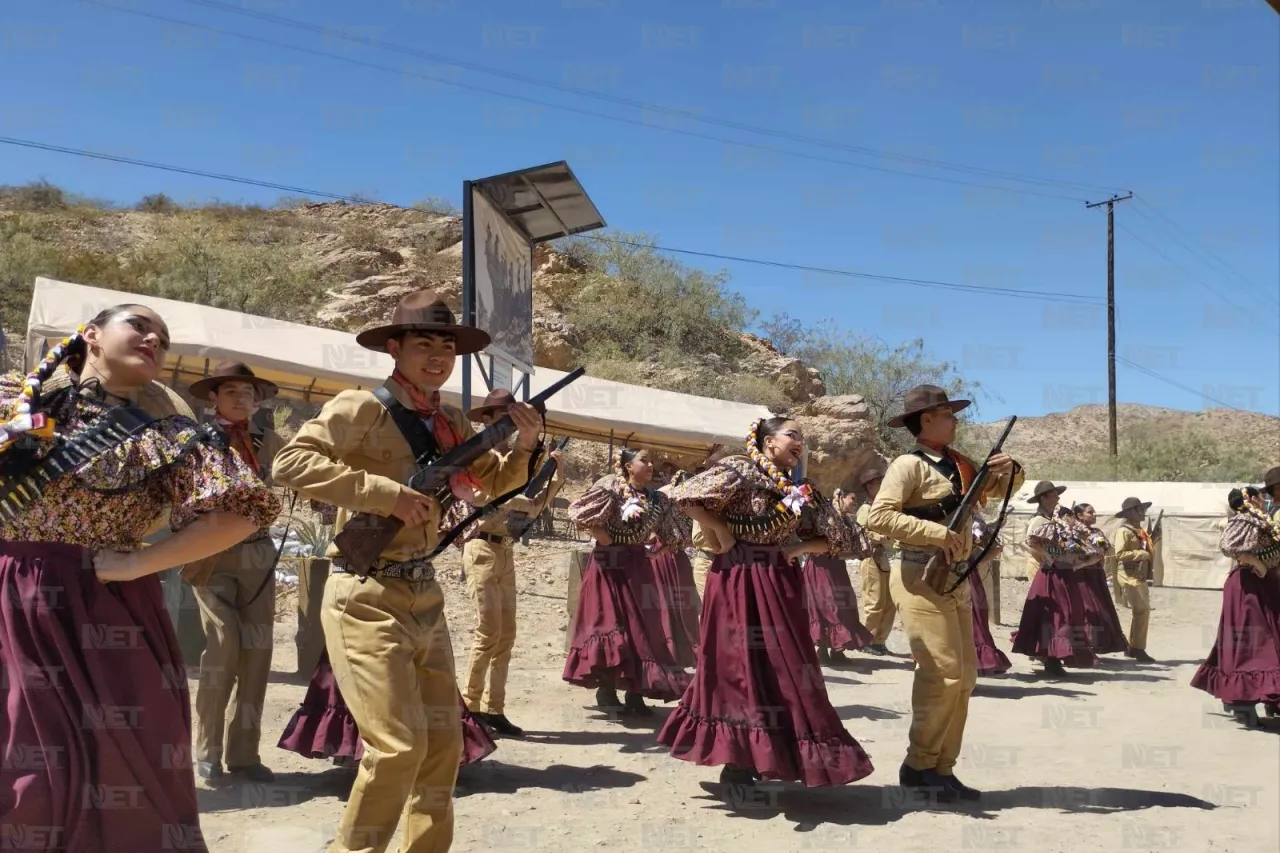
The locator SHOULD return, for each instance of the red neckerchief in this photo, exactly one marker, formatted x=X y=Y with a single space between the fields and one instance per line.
x=241 y=442
x=445 y=435
x=962 y=463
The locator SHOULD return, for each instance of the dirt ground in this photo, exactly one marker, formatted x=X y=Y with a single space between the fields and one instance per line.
x=1124 y=757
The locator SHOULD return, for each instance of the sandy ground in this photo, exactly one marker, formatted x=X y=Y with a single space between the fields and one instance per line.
x=1124 y=757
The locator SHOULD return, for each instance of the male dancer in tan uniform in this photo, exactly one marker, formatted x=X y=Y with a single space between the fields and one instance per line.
x=909 y=508
x=386 y=635
x=1271 y=489
x=1134 y=555
x=235 y=591
x=877 y=599
x=489 y=562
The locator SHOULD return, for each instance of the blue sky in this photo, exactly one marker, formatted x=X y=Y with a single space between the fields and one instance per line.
x=1174 y=100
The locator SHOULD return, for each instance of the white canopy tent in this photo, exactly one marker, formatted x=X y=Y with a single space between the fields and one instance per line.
x=1194 y=516
x=315 y=364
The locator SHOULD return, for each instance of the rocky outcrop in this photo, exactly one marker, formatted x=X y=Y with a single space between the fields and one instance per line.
x=798 y=382
x=840 y=440
x=554 y=342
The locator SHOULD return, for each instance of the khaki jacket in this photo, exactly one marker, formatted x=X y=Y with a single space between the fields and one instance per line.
x=1132 y=560
x=353 y=456
x=879 y=558
x=495 y=523
x=199 y=572
x=911 y=483
x=1035 y=554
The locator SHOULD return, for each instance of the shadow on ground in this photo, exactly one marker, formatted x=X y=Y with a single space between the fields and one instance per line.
x=495 y=777
x=880 y=805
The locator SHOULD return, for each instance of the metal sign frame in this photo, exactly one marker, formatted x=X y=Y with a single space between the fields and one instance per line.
x=542 y=203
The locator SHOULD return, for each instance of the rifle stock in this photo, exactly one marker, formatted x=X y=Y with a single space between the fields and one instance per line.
x=365 y=536
x=939 y=569
x=519 y=523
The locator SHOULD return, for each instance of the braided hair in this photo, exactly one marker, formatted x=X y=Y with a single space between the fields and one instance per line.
x=31 y=417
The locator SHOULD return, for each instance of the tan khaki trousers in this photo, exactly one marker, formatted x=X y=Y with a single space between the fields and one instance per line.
x=491 y=583
x=1138 y=599
x=940 y=631
x=389 y=645
x=239 y=637
x=877 y=601
x=308 y=640
x=701 y=564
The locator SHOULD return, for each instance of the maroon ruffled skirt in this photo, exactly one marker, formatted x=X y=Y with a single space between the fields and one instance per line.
x=322 y=727
x=1053 y=623
x=1100 y=612
x=758 y=699
x=832 y=605
x=678 y=598
x=96 y=721
x=1244 y=663
x=618 y=638
x=991 y=661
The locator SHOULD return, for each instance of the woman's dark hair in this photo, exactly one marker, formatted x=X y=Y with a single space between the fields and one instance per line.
x=626 y=455
x=1236 y=497
x=1080 y=507
x=766 y=428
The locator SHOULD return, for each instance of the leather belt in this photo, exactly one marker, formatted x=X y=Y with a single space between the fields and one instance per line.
x=491 y=537
x=915 y=555
x=419 y=570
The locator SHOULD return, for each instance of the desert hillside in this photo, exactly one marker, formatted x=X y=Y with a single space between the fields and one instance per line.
x=625 y=312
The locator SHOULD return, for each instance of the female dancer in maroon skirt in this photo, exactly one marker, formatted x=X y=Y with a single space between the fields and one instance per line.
x=1105 y=630
x=832 y=605
x=322 y=727
x=96 y=727
x=618 y=639
x=1243 y=668
x=673 y=573
x=991 y=661
x=1053 y=628
x=758 y=705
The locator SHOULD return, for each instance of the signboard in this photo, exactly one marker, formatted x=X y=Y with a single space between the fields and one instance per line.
x=503 y=285
x=500 y=374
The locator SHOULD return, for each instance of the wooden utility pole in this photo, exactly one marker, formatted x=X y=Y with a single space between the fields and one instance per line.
x=1111 y=313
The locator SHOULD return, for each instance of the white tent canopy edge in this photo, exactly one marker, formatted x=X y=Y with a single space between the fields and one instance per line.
x=315 y=364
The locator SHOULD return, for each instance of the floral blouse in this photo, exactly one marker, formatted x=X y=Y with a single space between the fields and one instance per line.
x=602 y=506
x=1067 y=543
x=685 y=522
x=1247 y=533
x=115 y=499
x=983 y=532
x=740 y=493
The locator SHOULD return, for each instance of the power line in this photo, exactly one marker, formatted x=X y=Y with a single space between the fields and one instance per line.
x=995 y=291
x=1222 y=265
x=1041 y=295
x=1179 y=385
x=328 y=32
x=1196 y=279
x=577 y=110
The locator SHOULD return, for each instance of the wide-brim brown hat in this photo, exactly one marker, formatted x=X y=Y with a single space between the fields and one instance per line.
x=231 y=371
x=1271 y=478
x=1044 y=487
x=496 y=400
x=1132 y=504
x=922 y=398
x=424 y=311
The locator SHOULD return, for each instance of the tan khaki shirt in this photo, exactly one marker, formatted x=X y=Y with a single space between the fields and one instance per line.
x=880 y=555
x=495 y=523
x=353 y=456
x=1129 y=550
x=911 y=483
x=199 y=572
x=1035 y=554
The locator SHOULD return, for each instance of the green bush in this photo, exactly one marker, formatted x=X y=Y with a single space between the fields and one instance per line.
x=1148 y=453
x=157 y=203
